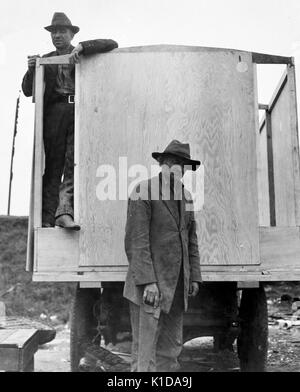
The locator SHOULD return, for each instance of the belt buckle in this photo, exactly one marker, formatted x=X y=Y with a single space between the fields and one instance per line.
x=71 y=98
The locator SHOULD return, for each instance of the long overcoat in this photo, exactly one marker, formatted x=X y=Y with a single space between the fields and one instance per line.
x=157 y=241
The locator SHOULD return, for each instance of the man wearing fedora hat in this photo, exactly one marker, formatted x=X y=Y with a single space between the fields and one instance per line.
x=164 y=266
x=59 y=119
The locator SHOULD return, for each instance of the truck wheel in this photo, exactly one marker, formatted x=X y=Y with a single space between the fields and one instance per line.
x=83 y=323
x=252 y=342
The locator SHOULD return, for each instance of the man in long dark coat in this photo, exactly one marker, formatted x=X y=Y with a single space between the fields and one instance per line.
x=164 y=265
x=59 y=119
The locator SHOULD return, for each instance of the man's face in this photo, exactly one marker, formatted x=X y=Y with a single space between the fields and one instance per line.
x=173 y=166
x=62 y=37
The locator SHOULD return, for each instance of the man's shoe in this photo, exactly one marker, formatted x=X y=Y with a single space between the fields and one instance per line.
x=47 y=225
x=66 y=221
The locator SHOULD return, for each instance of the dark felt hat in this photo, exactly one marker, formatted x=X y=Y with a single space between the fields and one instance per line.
x=180 y=150
x=61 y=20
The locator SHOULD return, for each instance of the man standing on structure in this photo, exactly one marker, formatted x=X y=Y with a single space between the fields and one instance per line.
x=164 y=266
x=58 y=127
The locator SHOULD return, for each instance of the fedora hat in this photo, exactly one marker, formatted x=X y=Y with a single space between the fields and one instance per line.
x=61 y=20
x=180 y=150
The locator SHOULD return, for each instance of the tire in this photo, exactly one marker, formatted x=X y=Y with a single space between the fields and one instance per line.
x=252 y=342
x=83 y=323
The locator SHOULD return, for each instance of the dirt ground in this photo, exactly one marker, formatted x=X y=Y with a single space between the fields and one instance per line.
x=197 y=355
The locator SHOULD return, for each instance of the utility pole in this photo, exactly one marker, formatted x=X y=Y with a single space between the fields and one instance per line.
x=13 y=152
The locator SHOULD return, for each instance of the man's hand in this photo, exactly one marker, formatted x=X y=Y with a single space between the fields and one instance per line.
x=194 y=289
x=151 y=295
x=75 y=55
x=32 y=61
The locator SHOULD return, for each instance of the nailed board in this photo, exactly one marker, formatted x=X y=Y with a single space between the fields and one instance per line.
x=17 y=348
x=132 y=102
x=263 y=179
x=283 y=160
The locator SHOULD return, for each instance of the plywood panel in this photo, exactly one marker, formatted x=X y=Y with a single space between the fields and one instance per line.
x=132 y=103
x=263 y=179
x=283 y=160
x=56 y=249
x=280 y=248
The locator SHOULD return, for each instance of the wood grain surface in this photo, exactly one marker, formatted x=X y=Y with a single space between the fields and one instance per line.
x=263 y=179
x=283 y=160
x=130 y=104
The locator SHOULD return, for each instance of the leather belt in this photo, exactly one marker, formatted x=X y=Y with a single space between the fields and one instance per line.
x=66 y=99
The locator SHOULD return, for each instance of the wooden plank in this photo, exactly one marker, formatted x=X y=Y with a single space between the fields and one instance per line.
x=150 y=100
x=248 y=285
x=39 y=154
x=278 y=90
x=263 y=179
x=264 y=275
x=165 y=48
x=64 y=59
x=261 y=58
x=4 y=334
x=271 y=181
x=19 y=338
x=9 y=359
x=263 y=106
x=30 y=232
x=76 y=145
x=56 y=249
x=282 y=147
x=294 y=138
x=96 y=285
x=28 y=351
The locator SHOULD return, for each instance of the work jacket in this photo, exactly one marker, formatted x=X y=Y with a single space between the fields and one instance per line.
x=51 y=70
x=158 y=242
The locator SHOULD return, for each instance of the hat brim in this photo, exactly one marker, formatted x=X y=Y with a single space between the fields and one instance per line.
x=50 y=28
x=187 y=162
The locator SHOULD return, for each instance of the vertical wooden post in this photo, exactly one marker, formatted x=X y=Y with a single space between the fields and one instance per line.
x=38 y=141
x=270 y=168
x=76 y=144
x=294 y=137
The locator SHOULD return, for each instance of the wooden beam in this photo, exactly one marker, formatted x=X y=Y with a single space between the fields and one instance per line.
x=294 y=138
x=39 y=147
x=261 y=58
x=262 y=106
x=30 y=232
x=270 y=169
x=65 y=59
x=278 y=90
x=262 y=123
x=248 y=285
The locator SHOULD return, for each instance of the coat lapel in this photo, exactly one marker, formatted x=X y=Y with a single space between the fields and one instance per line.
x=170 y=204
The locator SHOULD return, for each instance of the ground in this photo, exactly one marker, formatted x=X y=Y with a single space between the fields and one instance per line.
x=50 y=303
x=197 y=355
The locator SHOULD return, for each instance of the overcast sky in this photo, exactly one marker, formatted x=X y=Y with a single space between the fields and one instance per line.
x=267 y=26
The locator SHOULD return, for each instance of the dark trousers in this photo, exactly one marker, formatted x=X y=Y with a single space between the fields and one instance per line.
x=59 y=161
x=157 y=336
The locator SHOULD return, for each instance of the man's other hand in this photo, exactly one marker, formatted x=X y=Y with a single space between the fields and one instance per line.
x=194 y=289
x=32 y=61
x=151 y=295
x=75 y=55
